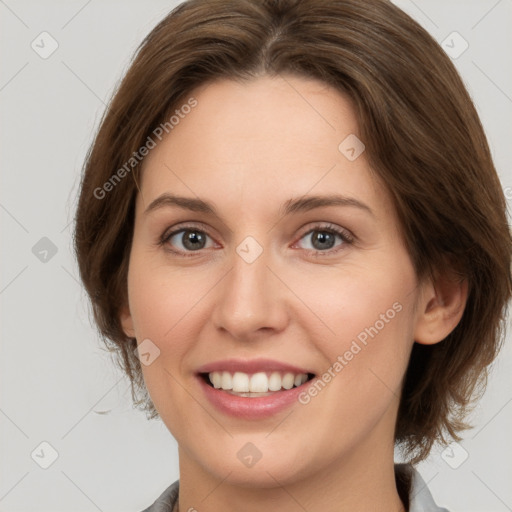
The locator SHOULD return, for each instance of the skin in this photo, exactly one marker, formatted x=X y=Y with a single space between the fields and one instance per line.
x=248 y=148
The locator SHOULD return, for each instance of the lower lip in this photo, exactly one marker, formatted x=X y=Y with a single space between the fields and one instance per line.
x=252 y=408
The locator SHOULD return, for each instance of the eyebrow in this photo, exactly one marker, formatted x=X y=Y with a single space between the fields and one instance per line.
x=294 y=205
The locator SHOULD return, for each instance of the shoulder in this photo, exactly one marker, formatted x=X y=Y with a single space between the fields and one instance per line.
x=165 y=502
x=420 y=498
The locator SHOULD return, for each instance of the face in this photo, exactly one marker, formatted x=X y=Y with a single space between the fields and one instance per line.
x=267 y=281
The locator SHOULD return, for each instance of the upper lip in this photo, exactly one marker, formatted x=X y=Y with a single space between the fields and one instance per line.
x=250 y=366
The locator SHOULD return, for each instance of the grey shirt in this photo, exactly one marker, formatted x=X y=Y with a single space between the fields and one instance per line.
x=412 y=489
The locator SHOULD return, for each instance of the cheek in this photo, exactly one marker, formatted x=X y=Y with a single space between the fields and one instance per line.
x=368 y=324
x=162 y=298
x=164 y=308
x=366 y=358
x=168 y=307
x=355 y=301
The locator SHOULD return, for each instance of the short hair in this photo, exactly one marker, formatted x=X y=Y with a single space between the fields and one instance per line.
x=423 y=139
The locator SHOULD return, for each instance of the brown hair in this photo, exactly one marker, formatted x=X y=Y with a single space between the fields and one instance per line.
x=423 y=139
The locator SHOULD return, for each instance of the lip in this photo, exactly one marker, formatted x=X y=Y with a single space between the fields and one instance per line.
x=250 y=366
x=252 y=408
x=246 y=407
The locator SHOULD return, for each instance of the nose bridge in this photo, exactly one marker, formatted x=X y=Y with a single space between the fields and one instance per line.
x=249 y=298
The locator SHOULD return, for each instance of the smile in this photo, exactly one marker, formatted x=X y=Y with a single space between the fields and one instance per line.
x=256 y=384
x=253 y=389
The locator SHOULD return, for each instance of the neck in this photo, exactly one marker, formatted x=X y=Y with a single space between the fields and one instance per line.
x=359 y=482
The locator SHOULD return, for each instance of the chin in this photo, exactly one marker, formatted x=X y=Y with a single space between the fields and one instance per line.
x=264 y=477
x=267 y=472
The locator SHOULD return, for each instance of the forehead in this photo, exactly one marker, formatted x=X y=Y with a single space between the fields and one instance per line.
x=262 y=142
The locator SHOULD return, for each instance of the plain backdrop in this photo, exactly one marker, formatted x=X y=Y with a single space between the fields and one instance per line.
x=57 y=385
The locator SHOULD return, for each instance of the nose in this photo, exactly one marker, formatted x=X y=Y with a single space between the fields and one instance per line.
x=251 y=300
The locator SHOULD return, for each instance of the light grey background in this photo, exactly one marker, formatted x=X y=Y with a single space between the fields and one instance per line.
x=57 y=384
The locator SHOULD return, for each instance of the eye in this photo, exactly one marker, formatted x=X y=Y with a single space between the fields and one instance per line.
x=186 y=239
x=323 y=239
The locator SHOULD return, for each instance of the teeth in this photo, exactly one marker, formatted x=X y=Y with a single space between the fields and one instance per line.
x=216 y=379
x=227 y=381
x=240 y=382
x=261 y=382
x=258 y=383
x=274 y=382
x=288 y=379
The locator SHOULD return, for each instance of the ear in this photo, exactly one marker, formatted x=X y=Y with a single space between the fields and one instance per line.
x=440 y=307
x=125 y=317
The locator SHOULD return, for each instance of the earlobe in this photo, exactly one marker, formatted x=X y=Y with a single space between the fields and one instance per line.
x=440 y=309
x=127 y=322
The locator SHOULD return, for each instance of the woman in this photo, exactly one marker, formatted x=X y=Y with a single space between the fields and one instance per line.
x=294 y=237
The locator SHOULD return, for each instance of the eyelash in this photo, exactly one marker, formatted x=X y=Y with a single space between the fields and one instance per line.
x=345 y=236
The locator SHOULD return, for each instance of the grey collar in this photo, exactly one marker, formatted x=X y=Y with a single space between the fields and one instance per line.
x=420 y=499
